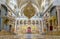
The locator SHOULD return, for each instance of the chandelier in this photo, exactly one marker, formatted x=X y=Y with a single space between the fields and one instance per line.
x=29 y=10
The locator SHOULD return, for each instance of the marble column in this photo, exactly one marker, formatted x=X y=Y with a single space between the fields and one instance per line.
x=15 y=26
x=0 y=24
x=0 y=16
x=42 y=26
x=58 y=16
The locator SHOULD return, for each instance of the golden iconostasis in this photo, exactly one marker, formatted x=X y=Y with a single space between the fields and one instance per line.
x=24 y=29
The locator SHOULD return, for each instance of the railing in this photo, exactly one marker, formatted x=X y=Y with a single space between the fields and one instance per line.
x=29 y=36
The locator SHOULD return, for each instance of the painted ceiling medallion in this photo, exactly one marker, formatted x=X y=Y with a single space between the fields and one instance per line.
x=29 y=10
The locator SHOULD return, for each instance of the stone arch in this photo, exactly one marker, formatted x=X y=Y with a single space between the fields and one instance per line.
x=35 y=5
x=4 y=7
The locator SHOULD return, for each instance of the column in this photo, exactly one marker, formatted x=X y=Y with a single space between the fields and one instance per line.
x=42 y=25
x=15 y=26
x=23 y=22
x=31 y=22
x=0 y=17
x=58 y=15
x=39 y=26
x=35 y=22
x=19 y=22
x=0 y=24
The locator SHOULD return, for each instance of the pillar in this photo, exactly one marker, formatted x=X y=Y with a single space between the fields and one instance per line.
x=42 y=26
x=0 y=24
x=58 y=16
x=15 y=26
x=0 y=17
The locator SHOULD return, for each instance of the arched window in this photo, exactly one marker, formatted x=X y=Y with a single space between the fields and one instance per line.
x=29 y=21
x=25 y=22
x=21 y=22
x=36 y=21
x=4 y=9
x=33 y=22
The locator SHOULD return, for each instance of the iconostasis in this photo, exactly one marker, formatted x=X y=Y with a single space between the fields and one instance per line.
x=27 y=29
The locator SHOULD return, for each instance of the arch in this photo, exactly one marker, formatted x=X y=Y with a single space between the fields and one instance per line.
x=25 y=22
x=20 y=21
x=4 y=7
x=34 y=5
x=52 y=8
x=33 y=22
x=37 y=22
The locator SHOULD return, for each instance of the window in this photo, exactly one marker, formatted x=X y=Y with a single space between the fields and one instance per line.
x=24 y=21
x=33 y=22
x=29 y=21
x=53 y=11
x=37 y=22
x=5 y=10
x=21 y=22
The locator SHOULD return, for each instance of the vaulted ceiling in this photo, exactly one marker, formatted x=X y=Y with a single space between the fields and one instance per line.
x=37 y=2
x=23 y=2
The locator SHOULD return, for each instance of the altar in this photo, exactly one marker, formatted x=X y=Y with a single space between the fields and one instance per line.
x=28 y=30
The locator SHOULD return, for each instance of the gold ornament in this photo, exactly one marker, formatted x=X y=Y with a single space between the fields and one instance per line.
x=29 y=10
x=6 y=21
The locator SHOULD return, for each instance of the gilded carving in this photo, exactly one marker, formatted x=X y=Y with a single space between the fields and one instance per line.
x=29 y=10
